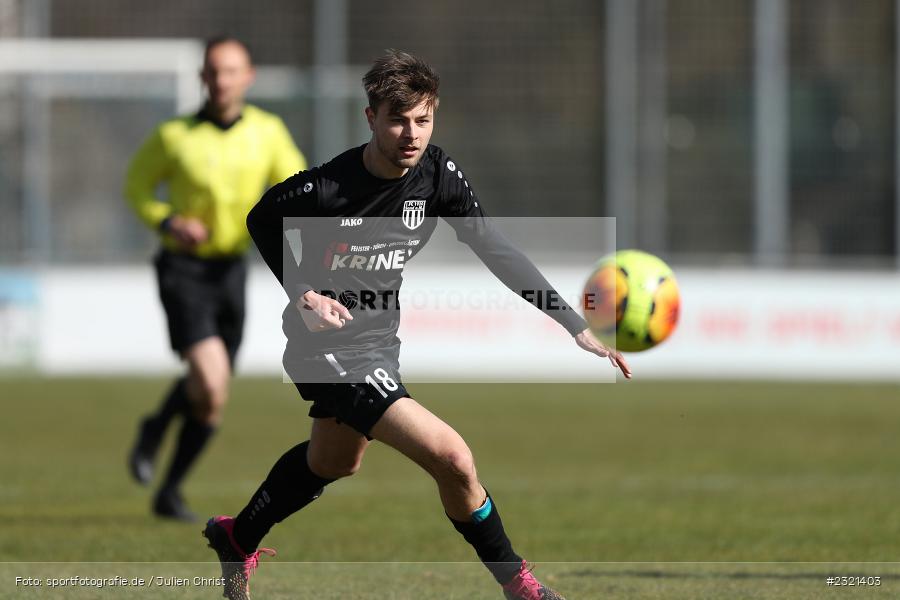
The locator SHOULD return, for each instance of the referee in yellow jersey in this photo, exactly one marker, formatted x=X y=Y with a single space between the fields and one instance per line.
x=215 y=165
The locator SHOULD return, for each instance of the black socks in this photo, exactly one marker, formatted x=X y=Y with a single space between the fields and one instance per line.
x=175 y=402
x=485 y=533
x=191 y=440
x=290 y=486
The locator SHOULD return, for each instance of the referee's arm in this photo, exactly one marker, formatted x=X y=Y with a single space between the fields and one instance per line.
x=287 y=159
x=149 y=166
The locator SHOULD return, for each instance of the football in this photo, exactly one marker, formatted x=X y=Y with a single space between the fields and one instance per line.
x=631 y=301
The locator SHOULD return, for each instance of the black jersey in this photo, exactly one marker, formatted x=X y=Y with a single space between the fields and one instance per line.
x=358 y=231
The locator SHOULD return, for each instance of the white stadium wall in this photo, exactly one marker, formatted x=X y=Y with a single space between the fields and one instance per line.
x=460 y=324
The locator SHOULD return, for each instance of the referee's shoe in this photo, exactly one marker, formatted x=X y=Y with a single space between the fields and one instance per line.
x=169 y=504
x=143 y=454
x=237 y=565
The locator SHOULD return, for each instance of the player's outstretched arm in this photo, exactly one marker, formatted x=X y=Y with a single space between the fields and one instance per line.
x=587 y=341
x=519 y=274
x=462 y=210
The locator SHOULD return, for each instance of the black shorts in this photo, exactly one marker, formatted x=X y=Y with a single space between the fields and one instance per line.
x=202 y=298
x=358 y=405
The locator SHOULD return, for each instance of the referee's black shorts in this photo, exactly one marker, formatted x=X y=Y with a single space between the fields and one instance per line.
x=202 y=297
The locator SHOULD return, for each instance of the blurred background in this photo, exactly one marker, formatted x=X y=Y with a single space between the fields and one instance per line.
x=743 y=139
x=752 y=144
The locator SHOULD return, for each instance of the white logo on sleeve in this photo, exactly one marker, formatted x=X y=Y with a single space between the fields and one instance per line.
x=451 y=165
x=307 y=187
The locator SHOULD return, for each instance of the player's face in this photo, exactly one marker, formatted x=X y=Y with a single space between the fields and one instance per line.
x=400 y=139
x=227 y=73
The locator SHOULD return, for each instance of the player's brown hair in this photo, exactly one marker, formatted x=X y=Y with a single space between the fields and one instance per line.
x=402 y=80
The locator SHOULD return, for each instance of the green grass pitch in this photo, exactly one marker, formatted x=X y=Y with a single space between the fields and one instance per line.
x=634 y=490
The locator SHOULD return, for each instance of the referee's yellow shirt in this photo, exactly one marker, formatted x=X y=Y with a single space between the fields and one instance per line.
x=212 y=173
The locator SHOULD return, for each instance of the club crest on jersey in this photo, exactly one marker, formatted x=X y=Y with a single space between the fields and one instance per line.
x=413 y=213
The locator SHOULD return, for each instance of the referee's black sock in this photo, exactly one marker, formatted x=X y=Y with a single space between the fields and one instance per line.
x=191 y=440
x=175 y=402
x=485 y=532
x=290 y=486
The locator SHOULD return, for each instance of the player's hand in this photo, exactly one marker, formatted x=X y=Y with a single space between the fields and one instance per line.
x=321 y=312
x=187 y=231
x=587 y=341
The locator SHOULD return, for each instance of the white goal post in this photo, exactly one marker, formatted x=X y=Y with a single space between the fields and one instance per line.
x=181 y=58
x=48 y=69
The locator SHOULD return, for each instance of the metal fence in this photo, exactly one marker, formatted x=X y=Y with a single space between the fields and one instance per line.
x=739 y=130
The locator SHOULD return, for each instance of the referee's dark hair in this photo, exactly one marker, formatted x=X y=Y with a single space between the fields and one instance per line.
x=402 y=80
x=226 y=39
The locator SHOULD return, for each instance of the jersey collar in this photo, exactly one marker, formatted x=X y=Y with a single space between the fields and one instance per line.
x=204 y=115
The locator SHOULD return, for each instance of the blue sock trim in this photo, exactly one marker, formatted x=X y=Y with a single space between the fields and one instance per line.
x=480 y=514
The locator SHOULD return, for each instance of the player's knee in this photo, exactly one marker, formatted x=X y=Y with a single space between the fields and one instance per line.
x=208 y=413
x=216 y=392
x=457 y=464
x=346 y=469
x=210 y=391
x=334 y=467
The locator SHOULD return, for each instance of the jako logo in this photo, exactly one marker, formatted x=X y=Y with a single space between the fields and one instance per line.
x=376 y=262
x=351 y=222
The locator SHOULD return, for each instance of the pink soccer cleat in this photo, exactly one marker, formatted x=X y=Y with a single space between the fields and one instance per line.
x=524 y=586
x=237 y=566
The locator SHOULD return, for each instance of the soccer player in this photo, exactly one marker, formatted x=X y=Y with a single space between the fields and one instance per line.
x=215 y=164
x=361 y=216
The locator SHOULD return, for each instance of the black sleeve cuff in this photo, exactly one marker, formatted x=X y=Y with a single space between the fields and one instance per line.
x=302 y=288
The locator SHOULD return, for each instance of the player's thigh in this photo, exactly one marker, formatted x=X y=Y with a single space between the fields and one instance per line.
x=335 y=449
x=423 y=437
x=209 y=367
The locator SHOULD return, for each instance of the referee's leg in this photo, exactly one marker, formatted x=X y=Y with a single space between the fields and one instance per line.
x=206 y=389
x=208 y=380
